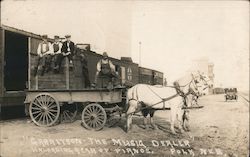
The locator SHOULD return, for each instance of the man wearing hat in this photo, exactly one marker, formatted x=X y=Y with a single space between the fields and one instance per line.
x=105 y=68
x=56 y=46
x=44 y=55
x=68 y=48
x=84 y=64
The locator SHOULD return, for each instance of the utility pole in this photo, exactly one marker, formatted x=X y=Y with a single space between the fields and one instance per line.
x=139 y=53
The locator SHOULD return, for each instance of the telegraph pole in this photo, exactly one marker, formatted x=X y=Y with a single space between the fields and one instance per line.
x=139 y=53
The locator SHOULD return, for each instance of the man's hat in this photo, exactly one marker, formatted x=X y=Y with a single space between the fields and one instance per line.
x=105 y=54
x=67 y=36
x=44 y=36
x=56 y=37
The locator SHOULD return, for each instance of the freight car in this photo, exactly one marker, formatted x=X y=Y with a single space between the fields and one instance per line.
x=149 y=76
x=127 y=70
x=218 y=90
x=17 y=62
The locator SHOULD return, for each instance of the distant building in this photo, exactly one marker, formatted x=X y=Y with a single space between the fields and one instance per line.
x=204 y=66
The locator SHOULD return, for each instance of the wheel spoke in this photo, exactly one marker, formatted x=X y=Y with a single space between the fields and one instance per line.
x=36 y=108
x=45 y=100
x=87 y=118
x=88 y=111
x=50 y=103
x=89 y=123
x=68 y=116
x=100 y=120
x=38 y=115
x=54 y=115
x=50 y=117
x=53 y=106
x=46 y=117
x=40 y=100
x=38 y=105
x=35 y=112
x=99 y=111
x=52 y=110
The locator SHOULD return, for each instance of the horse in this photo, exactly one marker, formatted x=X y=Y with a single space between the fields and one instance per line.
x=192 y=91
x=148 y=99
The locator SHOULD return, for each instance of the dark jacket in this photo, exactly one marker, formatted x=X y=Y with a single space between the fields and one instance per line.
x=65 y=47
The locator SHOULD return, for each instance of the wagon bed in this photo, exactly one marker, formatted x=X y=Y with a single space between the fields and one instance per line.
x=79 y=95
x=47 y=105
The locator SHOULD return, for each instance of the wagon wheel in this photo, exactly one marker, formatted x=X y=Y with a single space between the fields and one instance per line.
x=94 y=117
x=68 y=113
x=44 y=110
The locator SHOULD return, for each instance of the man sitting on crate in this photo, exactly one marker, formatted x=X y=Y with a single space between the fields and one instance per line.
x=57 y=46
x=105 y=68
x=68 y=48
x=44 y=56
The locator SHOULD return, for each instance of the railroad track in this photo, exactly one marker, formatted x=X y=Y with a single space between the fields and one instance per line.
x=244 y=97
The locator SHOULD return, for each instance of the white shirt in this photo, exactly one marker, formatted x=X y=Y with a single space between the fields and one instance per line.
x=68 y=46
x=41 y=50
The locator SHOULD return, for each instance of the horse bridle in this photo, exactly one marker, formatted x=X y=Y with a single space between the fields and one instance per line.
x=204 y=81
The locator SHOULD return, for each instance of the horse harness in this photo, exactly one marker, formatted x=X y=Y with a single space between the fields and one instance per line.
x=179 y=92
x=163 y=100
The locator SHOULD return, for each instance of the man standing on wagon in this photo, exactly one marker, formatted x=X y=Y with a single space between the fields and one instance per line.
x=68 y=49
x=85 y=71
x=105 y=68
x=44 y=55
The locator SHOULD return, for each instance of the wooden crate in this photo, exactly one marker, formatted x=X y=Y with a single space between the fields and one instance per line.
x=68 y=79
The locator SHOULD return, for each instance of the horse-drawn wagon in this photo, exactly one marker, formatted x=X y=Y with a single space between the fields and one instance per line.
x=57 y=97
x=47 y=106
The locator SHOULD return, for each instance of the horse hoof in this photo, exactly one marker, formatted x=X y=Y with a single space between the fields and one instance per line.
x=155 y=127
x=187 y=129
x=174 y=133
x=145 y=127
x=181 y=131
x=126 y=128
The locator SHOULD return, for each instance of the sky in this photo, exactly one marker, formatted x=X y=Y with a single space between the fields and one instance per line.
x=172 y=33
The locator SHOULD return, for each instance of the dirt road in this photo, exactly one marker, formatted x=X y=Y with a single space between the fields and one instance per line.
x=219 y=129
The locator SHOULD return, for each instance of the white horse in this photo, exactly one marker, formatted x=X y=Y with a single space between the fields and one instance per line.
x=147 y=99
x=192 y=91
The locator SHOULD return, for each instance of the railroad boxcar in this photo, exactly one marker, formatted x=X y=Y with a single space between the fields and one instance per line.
x=146 y=76
x=218 y=90
x=16 y=47
x=126 y=68
x=18 y=59
x=158 y=77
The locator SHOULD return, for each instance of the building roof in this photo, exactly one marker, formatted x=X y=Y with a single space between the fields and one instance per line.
x=23 y=32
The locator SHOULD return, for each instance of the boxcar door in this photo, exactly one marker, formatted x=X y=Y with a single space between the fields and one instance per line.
x=16 y=61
